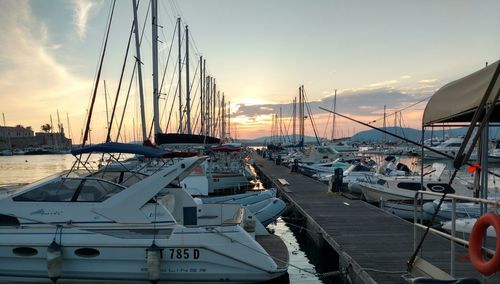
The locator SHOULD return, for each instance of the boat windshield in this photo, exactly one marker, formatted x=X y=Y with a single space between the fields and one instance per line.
x=72 y=190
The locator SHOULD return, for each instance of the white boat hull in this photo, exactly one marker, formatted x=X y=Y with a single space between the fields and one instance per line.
x=124 y=259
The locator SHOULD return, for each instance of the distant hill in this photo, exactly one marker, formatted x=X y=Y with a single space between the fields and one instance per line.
x=415 y=134
x=377 y=136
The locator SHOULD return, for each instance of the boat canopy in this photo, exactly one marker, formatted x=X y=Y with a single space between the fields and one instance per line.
x=458 y=100
x=115 y=147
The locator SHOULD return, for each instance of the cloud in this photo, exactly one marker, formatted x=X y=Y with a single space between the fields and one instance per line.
x=383 y=83
x=83 y=11
x=360 y=102
x=32 y=81
x=404 y=77
x=426 y=81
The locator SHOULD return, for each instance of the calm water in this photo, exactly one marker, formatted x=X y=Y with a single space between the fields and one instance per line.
x=305 y=259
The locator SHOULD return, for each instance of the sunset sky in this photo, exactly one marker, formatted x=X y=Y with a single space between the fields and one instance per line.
x=374 y=53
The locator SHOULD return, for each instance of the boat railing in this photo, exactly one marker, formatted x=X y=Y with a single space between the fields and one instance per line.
x=454 y=240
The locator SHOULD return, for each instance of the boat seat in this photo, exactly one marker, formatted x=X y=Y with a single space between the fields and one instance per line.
x=423 y=280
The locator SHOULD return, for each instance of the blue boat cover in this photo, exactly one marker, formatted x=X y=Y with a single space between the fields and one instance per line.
x=115 y=147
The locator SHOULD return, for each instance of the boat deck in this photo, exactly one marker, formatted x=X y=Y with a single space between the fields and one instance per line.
x=276 y=248
x=374 y=245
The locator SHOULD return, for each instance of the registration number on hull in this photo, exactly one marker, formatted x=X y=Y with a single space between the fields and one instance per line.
x=183 y=253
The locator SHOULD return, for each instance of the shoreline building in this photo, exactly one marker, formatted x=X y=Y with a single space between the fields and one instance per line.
x=12 y=137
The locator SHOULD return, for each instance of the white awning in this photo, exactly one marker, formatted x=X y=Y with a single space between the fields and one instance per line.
x=457 y=101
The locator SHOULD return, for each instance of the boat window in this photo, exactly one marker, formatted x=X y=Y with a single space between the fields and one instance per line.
x=87 y=252
x=56 y=191
x=25 y=251
x=124 y=178
x=94 y=190
x=361 y=168
x=381 y=181
x=415 y=186
x=454 y=145
x=6 y=220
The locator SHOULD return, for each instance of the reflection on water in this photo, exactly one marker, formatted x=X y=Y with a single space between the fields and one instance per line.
x=302 y=268
x=24 y=169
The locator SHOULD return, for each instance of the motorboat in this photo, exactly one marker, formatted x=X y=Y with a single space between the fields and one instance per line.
x=463 y=227
x=197 y=183
x=380 y=187
x=329 y=167
x=322 y=154
x=355 y=172
x=397 y=193
x=463 y=209
x=263 y=204
x=74 y=226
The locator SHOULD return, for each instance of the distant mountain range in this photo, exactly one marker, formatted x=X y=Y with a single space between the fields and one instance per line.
x=375 y=136
x=415 y=134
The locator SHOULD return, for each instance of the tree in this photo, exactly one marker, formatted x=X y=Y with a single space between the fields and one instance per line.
x=46 y=128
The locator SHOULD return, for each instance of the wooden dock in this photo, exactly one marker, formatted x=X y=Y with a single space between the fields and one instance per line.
x=373 y=245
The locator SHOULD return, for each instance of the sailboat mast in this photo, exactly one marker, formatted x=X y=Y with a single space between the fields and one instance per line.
x=69 y=126
x=385 y=135
x=301 y=113
x=334 y=110
x=208 y=97
x=214 y=102
x=229 y=119
x=281 y=131
x=8 y=133
x=139 y=71
x=58 y=122
x=217 y=125
x=188 y=91
x=202 y=94
x=223 y=118
x=272 y=129
x=179 y=35
x=156 y=110
x=294 y=115
x=106 y=103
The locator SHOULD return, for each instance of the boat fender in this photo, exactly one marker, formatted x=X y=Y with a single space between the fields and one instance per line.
x=154 y=263
x=54 y=261
x=476 y=243
x=249 y=225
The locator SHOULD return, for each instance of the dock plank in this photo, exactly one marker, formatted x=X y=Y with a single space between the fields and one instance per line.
x=375 y=241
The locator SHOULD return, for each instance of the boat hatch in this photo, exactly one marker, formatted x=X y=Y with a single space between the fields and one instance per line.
x=440 y=187
x=71 y=190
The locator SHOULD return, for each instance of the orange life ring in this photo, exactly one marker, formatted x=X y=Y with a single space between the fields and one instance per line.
x=476 y=243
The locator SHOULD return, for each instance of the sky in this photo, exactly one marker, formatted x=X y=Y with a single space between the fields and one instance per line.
x=374 y=53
